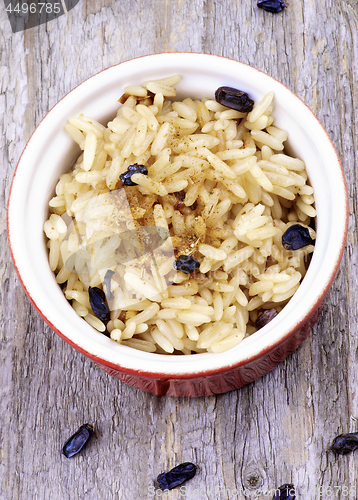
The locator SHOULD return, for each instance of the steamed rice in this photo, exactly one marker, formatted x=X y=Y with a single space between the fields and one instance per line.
x=220 y=188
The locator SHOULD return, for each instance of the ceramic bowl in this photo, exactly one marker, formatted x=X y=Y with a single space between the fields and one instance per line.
x=50 y=152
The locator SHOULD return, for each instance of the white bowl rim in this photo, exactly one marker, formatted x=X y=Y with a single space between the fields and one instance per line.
x=98 y=347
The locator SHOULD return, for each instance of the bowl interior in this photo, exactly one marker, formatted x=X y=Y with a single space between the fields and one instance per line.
x=50 y=152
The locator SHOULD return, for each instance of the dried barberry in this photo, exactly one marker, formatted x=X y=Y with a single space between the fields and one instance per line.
x=179 y=205
x=180 y=195
x=186 y=264
x=265 y=317
x=97 y=300
x=176 y=476
x=273 y=6
x=344 y=443
x=234 y=99
x=285 y=492
x=126 y=177
x=77 y=441
x=295 y=237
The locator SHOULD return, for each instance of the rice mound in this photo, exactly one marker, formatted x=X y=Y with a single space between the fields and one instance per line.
x=219 y=189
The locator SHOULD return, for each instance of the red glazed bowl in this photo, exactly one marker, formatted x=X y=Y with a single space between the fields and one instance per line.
x=50 y=152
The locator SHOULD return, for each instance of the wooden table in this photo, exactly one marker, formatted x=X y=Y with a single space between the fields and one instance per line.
x=273 y=431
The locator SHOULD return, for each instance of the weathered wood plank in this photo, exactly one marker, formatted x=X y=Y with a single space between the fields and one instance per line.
x=273 y=431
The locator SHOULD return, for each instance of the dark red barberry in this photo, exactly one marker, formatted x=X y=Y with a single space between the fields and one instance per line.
x=176 y=476
x=273 y=6
x=265 y=317
x=295 y=237
x=345 y=443
x=234 y=99
x=186 y=264
x=126 y=177
x=97 y=300
x=285 y=492
x=77 y=441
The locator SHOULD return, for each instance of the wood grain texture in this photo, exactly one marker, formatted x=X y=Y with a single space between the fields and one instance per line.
x=273 y=431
